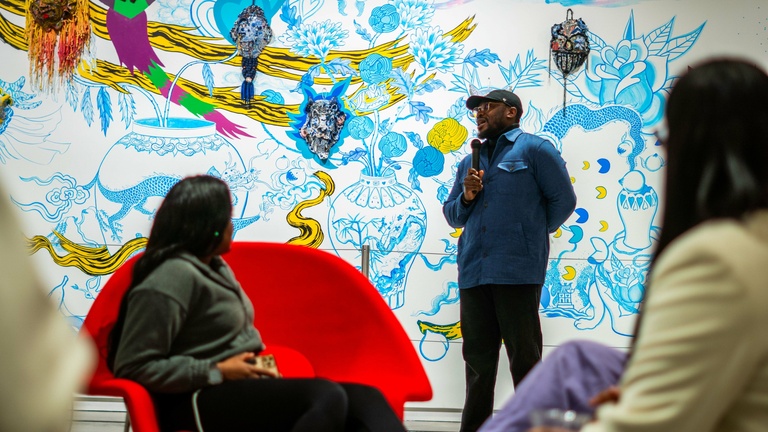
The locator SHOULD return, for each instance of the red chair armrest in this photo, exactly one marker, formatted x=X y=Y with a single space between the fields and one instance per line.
x=291 y=363
x=137 y=401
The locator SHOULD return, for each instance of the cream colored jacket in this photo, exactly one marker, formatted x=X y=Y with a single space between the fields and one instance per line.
x=701 y=361
x=42 y=360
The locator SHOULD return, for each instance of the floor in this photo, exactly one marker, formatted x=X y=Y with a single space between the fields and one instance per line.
x=412 y=426
x=102 y=414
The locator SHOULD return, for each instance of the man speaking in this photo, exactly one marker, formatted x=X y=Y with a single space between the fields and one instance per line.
x=519 y=193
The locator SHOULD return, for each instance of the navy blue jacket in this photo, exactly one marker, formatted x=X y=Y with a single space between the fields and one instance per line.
x=527 y=194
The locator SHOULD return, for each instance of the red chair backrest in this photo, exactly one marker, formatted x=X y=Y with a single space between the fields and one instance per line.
x=317 y=303
x=103 y=314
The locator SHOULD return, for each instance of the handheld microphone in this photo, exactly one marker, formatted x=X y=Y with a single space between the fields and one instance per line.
x=476 y=144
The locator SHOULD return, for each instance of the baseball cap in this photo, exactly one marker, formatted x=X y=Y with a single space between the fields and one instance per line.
x=504 y=96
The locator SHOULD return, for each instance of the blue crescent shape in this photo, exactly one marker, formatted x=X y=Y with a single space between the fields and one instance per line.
x=605 y=165
x=576 y=234
x=583 y=215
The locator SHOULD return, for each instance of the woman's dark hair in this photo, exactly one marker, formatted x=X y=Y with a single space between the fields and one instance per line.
x=192 y=218
x=717 y=146
x=717 y=115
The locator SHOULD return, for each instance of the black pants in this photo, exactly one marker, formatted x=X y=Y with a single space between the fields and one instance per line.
x=490 y=313
x=277 y=405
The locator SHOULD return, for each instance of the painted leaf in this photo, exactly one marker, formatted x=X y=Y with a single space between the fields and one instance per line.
x=420 y=110
x=127 y=108
x=596 y=43
x=415 y=139
x=363 y=32
x=458 y=110
x=413 y=178
x=681 y=44
x=657 y=39
x=402 y=81
x=482 y=58
x=208 y=78
x=86 y=106
x=104 y=104
x=339 y=66
x=289 y=16
x=428 y=86
x=355 y=155
x=384 y=127
x=346 y=230
x=71 y=95
x=521 y=75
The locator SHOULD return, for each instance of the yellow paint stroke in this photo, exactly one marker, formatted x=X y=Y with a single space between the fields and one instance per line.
x=94 y=261
x=273 y=61
x=456 y=232
x=601 y=192
x=603 y=226
x=450 y=331
x=311 y=230
x=573 y=180
x=586 y=166
x=570 y=273
x=558 y=233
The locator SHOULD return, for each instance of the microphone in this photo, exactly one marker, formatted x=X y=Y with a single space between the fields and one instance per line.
x=476 y=144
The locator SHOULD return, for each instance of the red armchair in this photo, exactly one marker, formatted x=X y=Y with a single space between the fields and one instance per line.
x=99 y=322
x=323 y=307
x=317 y=314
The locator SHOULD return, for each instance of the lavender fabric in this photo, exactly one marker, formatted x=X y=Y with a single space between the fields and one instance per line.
x=566 y=379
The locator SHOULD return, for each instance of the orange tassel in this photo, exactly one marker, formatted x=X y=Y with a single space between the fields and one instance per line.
x=58 y=33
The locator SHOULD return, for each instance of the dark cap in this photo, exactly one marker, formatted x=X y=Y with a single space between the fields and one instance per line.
x=504 y=96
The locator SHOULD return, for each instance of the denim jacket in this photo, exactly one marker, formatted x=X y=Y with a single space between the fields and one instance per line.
x=527 y=194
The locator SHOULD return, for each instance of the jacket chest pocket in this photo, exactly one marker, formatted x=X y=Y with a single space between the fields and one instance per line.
x=511 y=173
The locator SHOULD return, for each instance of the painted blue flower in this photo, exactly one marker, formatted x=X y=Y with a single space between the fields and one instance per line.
x=392 y=145
x=433 y=50
x=314 y=39
x=628 y=75
x=360 y=127
x=414 y=13
x=384 y=19
x=428 y=161
x=375 y=68
x=635 y=72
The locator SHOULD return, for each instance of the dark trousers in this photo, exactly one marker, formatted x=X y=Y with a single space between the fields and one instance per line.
x=490 y=313
x=280 y=405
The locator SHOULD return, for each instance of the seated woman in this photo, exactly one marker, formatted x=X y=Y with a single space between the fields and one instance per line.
x=185 y=332
x=700 y=359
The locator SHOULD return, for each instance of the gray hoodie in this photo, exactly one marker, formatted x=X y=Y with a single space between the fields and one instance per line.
x=183 y=318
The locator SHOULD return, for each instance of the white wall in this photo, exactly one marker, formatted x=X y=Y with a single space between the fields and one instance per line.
x=48 y=149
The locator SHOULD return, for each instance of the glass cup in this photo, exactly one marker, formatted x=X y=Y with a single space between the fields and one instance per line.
x=557 y=418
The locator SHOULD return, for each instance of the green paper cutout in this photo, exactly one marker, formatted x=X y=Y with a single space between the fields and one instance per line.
x=130 y=8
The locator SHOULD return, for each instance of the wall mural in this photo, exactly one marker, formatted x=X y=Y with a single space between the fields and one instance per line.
x=344 y=130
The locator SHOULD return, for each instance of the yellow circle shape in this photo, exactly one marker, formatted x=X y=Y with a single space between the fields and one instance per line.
x=558 y=233
x=570 y=273
x=447 y=135
x=601 y=192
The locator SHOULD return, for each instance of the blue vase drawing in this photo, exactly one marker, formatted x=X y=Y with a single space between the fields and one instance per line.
x=141 y=167
x=390 y=218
